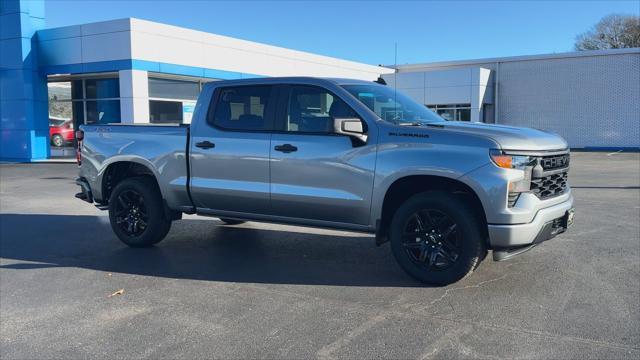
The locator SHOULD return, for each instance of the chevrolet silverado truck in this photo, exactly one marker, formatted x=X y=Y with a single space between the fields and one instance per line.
x=335 y=153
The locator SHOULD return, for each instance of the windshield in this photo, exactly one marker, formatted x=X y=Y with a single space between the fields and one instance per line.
x=391 y=106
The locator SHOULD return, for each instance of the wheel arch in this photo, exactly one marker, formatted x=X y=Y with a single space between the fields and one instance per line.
x=406 y=186
x=119 y=169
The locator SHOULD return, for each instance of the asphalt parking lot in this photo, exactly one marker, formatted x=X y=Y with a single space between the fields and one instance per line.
x=271 y=291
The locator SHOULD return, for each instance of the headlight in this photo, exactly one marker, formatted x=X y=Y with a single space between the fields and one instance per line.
x=519 y=162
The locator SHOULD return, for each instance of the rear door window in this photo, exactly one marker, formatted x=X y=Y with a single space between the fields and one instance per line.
x=243 y=108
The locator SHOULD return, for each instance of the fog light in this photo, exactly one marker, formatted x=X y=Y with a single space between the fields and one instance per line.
x=521 y=185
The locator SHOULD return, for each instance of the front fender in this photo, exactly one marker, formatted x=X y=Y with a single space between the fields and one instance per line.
x=397 y=161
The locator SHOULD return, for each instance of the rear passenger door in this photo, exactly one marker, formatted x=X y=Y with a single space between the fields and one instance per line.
x=315 y=173
x=230 y=151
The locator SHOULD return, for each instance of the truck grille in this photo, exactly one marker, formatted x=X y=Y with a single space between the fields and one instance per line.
x=549 y=186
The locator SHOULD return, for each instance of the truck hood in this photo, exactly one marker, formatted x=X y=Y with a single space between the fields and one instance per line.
x=511 y=137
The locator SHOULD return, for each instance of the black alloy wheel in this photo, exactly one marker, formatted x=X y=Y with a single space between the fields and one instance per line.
x=437 y=238
x=431 y=239
x=131 y=213
x=137 y=212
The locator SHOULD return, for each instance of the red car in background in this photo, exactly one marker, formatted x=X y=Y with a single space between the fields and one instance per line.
x=60 y=131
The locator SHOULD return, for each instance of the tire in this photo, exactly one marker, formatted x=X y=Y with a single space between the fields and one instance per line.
x=136 y=212
x=231 y=221
x=436 y=223
x=57 y=140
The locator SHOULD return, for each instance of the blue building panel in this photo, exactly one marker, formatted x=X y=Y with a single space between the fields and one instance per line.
x=133 y=64
x=12 y=25
x=104 y=66
x=17 y=53
x=14 y=114
x=18 y=114
x=24 y=145
x=181 y=70
x=226 y=75
x=22 y=84
x=24 y=117
x=60 y=33
x=13 y=6
x=59 y=51
x=145 y=65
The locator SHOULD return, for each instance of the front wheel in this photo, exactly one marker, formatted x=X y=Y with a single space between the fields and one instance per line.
x=436 y=238
x=136 y=212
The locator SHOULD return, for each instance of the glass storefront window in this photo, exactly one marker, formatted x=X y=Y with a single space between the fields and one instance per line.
x=61 y=125
x=103 y=111
x=173 y=89
x=59 y=91
x=464 y=115
x=78 y=113
x=172 y=100
x=163 y=112
x=59 y=104
x=453 y=112
x=102 y=88
x=76 y=102
x=76 y=89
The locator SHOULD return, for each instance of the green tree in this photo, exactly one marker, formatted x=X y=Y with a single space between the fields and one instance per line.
x=614 y=31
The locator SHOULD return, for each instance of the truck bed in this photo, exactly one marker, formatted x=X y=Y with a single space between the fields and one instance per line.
x=163 y=149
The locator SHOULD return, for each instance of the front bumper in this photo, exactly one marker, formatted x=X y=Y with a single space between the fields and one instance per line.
x=546 y=224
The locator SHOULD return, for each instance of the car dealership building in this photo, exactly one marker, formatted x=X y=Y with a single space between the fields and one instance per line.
x=138 y=71
x=591 y=98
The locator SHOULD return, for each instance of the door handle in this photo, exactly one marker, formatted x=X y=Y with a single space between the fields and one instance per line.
x=205 y=144
x=285 y=148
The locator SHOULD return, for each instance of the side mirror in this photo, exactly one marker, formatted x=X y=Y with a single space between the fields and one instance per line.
x=351 y=127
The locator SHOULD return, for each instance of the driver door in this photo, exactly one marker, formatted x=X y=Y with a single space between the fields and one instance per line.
x=315 y=173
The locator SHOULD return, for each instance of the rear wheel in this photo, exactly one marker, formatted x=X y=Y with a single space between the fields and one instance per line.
x=436 y=238
x=231 y=221
x=136 y=212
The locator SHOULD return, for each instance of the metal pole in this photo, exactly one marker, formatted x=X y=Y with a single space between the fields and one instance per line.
x=496 y=82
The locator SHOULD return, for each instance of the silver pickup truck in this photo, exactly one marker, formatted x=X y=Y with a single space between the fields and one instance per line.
x=335 y=153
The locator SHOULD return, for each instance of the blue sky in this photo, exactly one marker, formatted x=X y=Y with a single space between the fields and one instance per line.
x=367 y=31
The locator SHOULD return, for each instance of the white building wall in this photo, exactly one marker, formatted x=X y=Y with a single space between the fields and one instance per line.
x=591 y=98
x=134 y=96
x=76 y=44
x=591 y=101
x=165 y=43
x=468 y=85
x=154 y=42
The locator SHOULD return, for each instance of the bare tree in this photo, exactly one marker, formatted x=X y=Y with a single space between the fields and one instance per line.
x=614 y=31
